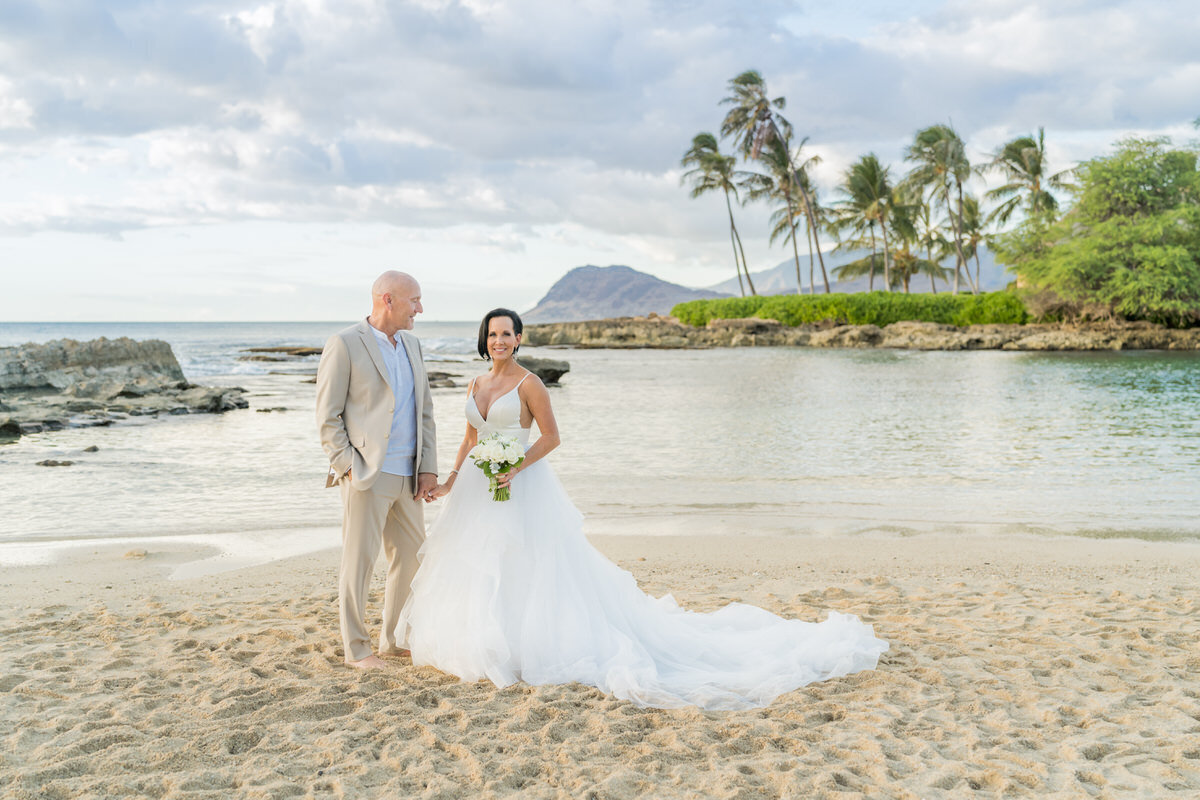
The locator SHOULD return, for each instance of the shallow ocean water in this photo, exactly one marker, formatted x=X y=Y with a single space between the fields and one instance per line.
x=736 y=441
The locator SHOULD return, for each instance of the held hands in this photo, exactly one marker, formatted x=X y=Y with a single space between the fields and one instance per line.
x=428 y=489
x=426 y=486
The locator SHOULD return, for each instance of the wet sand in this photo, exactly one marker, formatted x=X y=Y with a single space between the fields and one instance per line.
x=1023 y=667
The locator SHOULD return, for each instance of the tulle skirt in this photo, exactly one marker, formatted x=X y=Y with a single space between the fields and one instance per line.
x=513 y=591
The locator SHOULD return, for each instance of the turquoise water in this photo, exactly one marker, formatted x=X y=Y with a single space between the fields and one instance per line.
x=831 y=442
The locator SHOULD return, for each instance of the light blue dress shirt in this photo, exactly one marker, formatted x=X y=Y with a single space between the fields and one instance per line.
x=402 y=439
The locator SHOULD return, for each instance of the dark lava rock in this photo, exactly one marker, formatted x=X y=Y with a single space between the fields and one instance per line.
x=70 y=384
x=548 y=369
x=295 y=352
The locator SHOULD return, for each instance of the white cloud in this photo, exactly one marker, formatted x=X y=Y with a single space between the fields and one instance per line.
x=531 y=130
x=15 y=111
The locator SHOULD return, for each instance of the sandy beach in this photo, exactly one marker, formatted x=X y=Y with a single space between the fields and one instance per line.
x=1027 y=667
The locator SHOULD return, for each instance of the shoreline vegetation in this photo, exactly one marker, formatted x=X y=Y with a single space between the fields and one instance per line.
x=863 y=308
x=1115 y=237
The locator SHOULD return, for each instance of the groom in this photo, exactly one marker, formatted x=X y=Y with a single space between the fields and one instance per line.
x=376 y=419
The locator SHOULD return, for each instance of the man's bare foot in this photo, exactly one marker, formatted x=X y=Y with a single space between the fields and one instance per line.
x=370 y=662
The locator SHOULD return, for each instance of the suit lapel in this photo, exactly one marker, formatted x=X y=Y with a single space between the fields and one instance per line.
x=413 y=348
x=368 y=339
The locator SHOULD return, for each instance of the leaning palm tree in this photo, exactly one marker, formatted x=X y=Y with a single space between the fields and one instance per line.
x=867 y=201
x=788 y=186
x=1023 y=163
x=814 y=221
x=779 y=184
x=712 y=171
x=941 y=163
x=754 y=122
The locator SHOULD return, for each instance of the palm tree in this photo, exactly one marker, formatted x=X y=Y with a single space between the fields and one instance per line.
x=867 y=202
x=903 y=224
x=905 y=267
x=909 y=231
x=974 y=228
x=811 y=225
x=754 y=123
x=867 y=265
x=1023 y=163
x=929 y=235
x=712 y=170
x=862 y=235
x=788 y=185
x=941 y=162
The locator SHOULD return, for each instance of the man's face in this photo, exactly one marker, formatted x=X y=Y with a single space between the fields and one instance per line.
x=403 y=304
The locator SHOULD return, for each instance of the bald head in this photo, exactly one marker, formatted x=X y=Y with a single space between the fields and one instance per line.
x=395 y=302
x=392 y=281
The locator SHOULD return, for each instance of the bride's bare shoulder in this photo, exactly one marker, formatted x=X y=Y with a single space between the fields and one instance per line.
x=531 y=380
x=531 y=390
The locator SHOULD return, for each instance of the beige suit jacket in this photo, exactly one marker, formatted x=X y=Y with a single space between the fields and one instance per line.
x=355 y=406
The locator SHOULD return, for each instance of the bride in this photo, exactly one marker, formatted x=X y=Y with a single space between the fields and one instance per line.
x=513 y=591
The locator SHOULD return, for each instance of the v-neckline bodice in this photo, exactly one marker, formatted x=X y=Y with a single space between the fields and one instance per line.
x=484 y=415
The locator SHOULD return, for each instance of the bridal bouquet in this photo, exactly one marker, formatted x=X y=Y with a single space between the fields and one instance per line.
x=496 y=454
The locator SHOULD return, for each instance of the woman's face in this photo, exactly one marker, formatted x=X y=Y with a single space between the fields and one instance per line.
x=502 y=342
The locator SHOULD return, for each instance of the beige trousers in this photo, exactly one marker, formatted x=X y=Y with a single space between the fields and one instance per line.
x=385 y=514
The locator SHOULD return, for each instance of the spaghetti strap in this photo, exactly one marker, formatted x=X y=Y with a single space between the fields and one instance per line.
x=518 y=386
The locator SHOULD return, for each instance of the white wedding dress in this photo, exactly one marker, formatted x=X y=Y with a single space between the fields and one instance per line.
x=513 y=591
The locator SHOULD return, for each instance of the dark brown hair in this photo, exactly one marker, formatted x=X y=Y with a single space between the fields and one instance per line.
x=518 y=326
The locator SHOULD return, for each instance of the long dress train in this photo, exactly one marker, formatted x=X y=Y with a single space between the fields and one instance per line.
x=513 y=591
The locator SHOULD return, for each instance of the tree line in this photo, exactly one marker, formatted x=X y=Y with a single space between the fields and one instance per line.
x=911 y=224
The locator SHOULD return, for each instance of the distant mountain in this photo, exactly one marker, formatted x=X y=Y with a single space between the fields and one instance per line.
x=782 y=278
x=587 y=293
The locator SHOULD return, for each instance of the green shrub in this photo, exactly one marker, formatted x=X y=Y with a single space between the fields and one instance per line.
x=698 y=312
x=992 y=308
x=866 y=308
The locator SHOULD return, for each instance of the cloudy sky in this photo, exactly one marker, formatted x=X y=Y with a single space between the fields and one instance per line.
x=242 y=159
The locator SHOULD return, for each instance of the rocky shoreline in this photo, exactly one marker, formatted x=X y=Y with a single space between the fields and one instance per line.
x=71 y=384
x=668 y=333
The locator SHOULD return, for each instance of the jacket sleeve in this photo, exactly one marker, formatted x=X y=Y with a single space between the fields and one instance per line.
x=333 y=387
x=427 y=458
